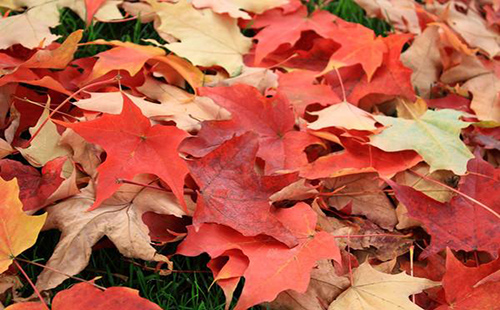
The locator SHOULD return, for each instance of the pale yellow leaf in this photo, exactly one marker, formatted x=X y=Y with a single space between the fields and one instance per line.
x=374 y=290
x=45 y=146
x=344 y=115
x=206 y=39
x=119 y=218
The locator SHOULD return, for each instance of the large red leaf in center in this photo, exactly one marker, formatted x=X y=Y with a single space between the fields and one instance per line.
x=233 y=194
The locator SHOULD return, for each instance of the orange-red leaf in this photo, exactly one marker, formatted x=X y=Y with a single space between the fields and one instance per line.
x=133 y=146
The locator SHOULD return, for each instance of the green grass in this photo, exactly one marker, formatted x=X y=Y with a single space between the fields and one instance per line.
x=182 y=290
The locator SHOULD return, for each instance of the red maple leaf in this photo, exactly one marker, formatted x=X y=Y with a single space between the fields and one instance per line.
x=233 y=194
x=272 y=266
x=133 y=146
x=391 y=79
x=281 y=28
x=463 y=289
x=468 y=221
x=360 y=157
x=281 y=146
x=34 y=187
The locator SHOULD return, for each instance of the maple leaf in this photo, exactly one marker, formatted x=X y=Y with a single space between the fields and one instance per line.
x=57 y=58
x=300 y=88
x=227 y=270
x=325 y=285
x=133 y=146
x=463 y=288
x=19 y=231
x=233 y=194
x=482 y=82
x=470 y=25
x=35 y=188
x=392 y=79
x=359 y=157
x=92 y=6
x=31 y=31
x=344 y=115
x=429 y=188
x=124 y=56
x=207 y=39
x=462 y=223
x=261 y=78
x=236 y=8
x=436 y=137
x=272 y=267
x=359 y=45
x=87 y=296
x=119 y=218
x=277 y=29
x=281 y=146
x=375 y=290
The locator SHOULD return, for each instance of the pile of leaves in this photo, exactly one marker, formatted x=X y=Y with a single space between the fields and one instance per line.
x=328 y=167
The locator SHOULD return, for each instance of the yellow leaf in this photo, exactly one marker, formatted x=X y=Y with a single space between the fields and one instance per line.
x=18 y=231
x=206 y=39
x=375 y=290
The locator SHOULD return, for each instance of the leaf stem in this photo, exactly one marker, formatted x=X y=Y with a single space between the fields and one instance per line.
x=32 y=285
x=58 y=271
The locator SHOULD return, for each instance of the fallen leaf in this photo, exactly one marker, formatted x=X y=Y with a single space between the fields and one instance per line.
x=343 y=115
x=301 y=89
x=358 y=157
x=400 y=14
x=461 y=223
x=459 y=283
x=19 y=231
x=272 y=265
x=233 y=194
x=436 y=137
x=424 y=59
x=35 y=187
x=359 y=45
x=374 y=290
x=45 y=146
x=129 y=138
x=86 y=296
x=363 y=196
x=281 y=145
x=277 y=30
x=119 y=218
x=237 y=8
x=223 y=45
x=325 y=285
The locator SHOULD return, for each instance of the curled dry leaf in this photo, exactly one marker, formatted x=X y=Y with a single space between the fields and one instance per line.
x=119 y=218
x=362 y=195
